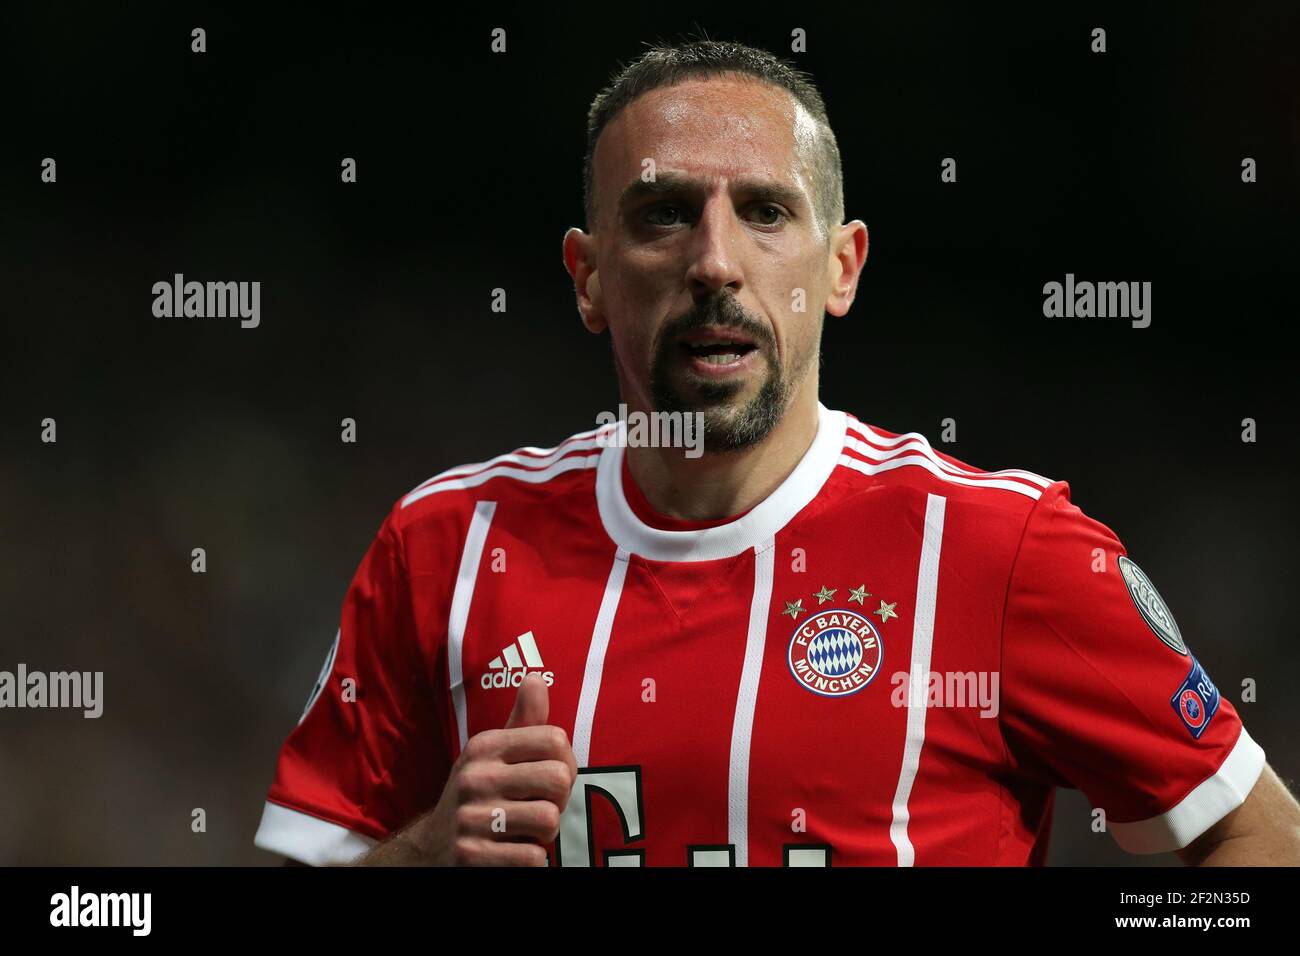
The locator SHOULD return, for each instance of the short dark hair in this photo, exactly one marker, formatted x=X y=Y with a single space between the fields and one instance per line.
x=668 y=65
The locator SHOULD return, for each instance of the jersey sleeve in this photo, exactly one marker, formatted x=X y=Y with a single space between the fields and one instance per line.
x=1101 y=693
x=367 y=756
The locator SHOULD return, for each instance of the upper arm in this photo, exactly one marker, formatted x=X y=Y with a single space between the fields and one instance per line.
x=366 y=755
x=1101 y=693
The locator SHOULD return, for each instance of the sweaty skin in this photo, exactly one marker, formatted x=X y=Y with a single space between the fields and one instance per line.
x=736 y=217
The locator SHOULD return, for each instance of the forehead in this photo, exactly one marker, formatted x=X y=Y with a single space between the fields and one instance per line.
x=720 y=126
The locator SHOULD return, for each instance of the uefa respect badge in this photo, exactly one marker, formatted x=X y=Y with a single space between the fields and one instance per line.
x=835 y=653
x=1196 y=700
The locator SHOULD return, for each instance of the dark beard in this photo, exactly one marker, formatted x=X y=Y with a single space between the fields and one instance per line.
x=726 y=427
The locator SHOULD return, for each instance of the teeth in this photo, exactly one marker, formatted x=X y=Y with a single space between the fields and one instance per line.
x=701 y=344
x=724 y=358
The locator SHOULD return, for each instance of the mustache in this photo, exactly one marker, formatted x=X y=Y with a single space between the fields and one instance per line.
x=722 y=312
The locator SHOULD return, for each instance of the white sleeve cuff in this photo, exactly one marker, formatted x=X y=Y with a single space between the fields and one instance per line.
x=1206 y=805
x=308 y=839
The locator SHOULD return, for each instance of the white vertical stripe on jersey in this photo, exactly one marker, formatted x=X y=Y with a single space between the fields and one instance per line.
x=595 y=668
x=742 y=728
x=470 y=557
x=927 y=587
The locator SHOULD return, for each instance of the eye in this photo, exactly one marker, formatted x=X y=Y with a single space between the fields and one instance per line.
x=775 y=212
x=655 y=212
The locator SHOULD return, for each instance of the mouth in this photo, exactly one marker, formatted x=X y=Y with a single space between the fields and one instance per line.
x=715 y=351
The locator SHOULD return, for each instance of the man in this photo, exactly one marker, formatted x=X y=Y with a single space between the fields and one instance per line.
x=818 y=643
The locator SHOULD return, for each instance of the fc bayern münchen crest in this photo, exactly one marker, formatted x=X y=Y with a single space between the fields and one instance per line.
x=835 y=653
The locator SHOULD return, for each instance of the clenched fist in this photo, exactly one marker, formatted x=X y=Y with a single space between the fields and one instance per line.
x=503 y=798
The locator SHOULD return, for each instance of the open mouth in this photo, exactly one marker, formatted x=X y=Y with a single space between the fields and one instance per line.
x=716 y=347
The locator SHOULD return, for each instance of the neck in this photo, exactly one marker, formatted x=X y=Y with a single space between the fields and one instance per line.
x=720 y=484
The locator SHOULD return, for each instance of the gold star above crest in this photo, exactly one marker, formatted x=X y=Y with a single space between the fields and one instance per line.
x=794 y=610
x=825 y=594
x=859 y=594
x=886 y=611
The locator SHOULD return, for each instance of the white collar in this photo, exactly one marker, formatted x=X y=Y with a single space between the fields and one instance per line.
x=722 y=541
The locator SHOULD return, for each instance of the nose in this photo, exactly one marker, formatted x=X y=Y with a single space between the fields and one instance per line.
x=715 y=262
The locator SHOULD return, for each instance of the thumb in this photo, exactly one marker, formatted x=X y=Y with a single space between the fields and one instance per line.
x=532 y=704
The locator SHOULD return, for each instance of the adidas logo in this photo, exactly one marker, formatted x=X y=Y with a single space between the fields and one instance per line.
x=509 y=668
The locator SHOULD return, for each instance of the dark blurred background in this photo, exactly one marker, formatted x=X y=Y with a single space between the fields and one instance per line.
x=183 y=433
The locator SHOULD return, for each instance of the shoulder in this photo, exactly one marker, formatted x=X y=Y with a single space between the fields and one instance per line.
x=913 y=458
x=451 y=498
x=906 y=462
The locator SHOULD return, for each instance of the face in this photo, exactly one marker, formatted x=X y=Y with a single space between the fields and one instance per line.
x=707 y=263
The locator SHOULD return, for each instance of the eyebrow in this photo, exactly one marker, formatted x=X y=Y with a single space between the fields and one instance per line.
x=674 y=184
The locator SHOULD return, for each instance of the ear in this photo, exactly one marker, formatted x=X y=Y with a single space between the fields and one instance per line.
x=580 y=261
x=848 y=253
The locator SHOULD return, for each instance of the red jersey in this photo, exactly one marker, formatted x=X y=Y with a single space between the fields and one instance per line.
x=893 y=659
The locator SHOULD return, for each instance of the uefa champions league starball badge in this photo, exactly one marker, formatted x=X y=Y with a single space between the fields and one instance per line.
x=1151 y=605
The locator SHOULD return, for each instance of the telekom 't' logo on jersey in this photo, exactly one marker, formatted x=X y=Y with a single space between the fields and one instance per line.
x=519 y=658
